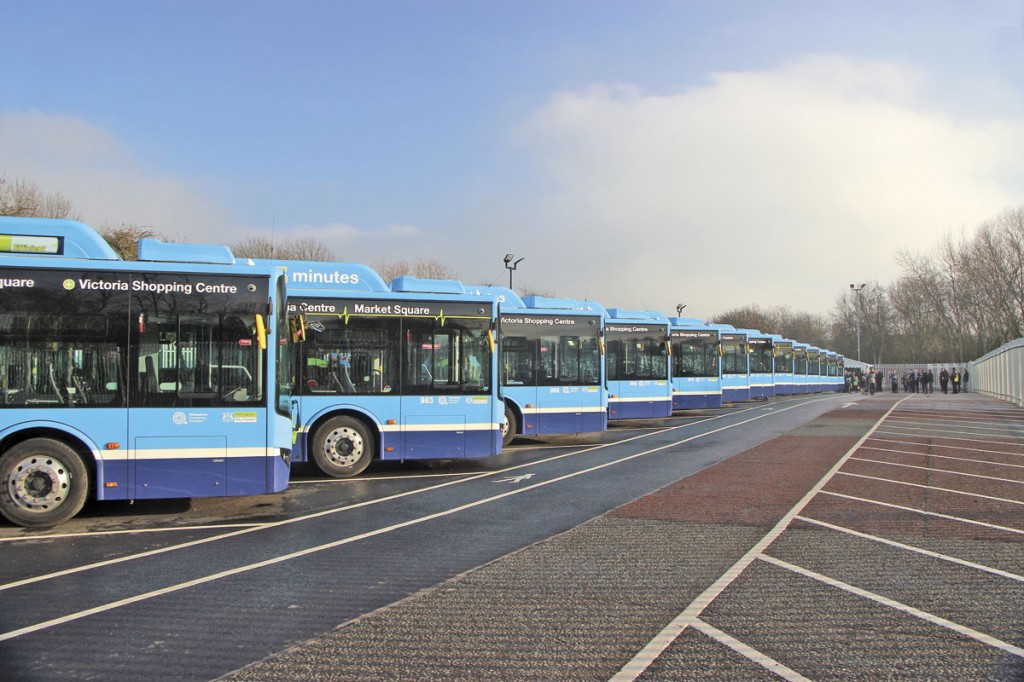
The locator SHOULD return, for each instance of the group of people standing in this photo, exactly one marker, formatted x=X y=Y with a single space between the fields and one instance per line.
x=913 y=381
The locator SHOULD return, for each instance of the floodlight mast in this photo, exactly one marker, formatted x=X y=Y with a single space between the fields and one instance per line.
x=511 y=263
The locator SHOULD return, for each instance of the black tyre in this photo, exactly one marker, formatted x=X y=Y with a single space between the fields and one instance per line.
x=343 y=447
x=44 y=483
x=509 y=427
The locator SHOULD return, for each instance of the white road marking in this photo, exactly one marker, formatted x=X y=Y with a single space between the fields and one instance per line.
x=932 y=487
x=942 y=437
x=937 y=471
x=927 y=513
x=515 y=479
x=934 y=456
x=99 y=533
x=899 y=606
x=343 y=541
x=748 y=651
x=646 y=656
x=911 y=548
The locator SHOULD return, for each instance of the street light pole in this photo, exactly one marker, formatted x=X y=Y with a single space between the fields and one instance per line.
x=857 y=289
x=511 y=264
x=679 y=309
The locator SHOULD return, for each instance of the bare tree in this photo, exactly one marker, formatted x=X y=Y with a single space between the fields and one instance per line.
x=421 y=267
x=20 y=197
x=302 y=248
x=803 y=327
x=125 y=238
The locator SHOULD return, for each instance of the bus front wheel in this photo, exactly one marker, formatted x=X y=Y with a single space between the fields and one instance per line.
x=343 y=447
x=44 y=483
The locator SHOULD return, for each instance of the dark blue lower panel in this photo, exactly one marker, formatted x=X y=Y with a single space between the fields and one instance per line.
x=762 y=391
x=207 y=477
x=446 y=445
x=565 y=422
x=639 y=410
x=696 y=402
x=732 y=395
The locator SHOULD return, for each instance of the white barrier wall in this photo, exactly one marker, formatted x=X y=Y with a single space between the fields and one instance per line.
x=1000 y=374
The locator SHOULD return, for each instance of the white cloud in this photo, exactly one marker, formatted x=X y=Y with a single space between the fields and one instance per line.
x=770 y=187
x=774 y=187
x=107 y=184
x=104 y=180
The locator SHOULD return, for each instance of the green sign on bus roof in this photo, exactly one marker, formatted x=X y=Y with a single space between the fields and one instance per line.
x=19 y=243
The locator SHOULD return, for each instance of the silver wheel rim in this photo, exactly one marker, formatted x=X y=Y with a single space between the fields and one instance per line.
x=504 y=426
x=344 y=446
x=38 y=484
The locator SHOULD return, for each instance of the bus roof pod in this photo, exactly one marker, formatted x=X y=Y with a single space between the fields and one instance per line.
x=689 y=323
x=21 y=236
x=632 y=315
x=407 y=284
x=511 y=299
x=504 y=295
x=328 y=276
x=545 y=303
x=155 y=251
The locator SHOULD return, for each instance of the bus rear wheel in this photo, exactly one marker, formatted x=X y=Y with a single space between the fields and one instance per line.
x=44 y=483
x=509 y=427
x=343 y=447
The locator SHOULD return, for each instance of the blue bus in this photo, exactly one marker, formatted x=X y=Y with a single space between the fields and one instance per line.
x=163 y=377
x=783 y=358
x=735 y=363
x=832 y=381
x=400 y=372
x=800 y=367
x=814 y=357
x=761 y=363
x=549 y=364
x=696 y=365
x=637 y=364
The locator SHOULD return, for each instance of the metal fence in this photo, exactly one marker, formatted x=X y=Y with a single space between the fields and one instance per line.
x=1000 y=374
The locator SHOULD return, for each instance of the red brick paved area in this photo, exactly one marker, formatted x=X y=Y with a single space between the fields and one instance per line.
x=759 y=486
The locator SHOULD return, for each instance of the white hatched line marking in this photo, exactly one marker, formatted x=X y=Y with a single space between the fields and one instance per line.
x=960 y=431
x=97 y=533
x=933 y=487
x=941 y=437
x=1011 y=415
x=948 y=447
x=959 y=519
x=899 y=606
x=646 y=656
x=961 y=426
x=978 y=417
x=955 y=459
x=911 y=548
x=749 y=652
x=962 y=416
x=937 y=471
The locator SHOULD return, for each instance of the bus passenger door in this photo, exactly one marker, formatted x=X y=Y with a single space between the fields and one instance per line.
x=177 y=432
x=434 y=412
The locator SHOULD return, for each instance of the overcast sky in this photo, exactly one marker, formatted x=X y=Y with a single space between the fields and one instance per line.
x=641 y=153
